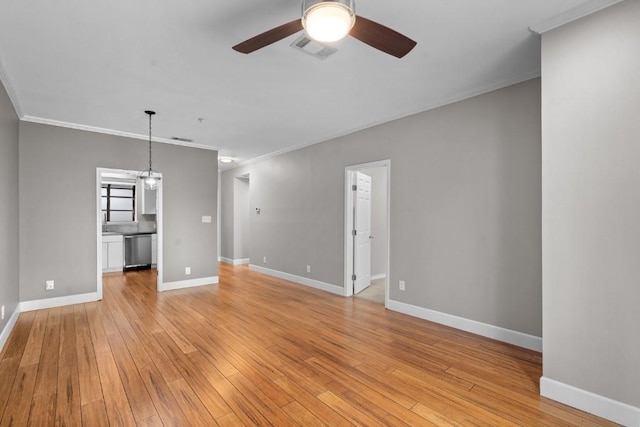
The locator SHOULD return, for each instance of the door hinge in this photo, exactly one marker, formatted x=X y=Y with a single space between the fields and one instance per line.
x=353 y=277
x=354 y=187
x=354 y=233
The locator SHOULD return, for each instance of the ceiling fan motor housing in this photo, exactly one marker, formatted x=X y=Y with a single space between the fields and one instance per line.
x=328 y=20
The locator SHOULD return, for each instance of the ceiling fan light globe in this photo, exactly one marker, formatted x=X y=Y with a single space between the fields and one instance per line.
x=328 y=21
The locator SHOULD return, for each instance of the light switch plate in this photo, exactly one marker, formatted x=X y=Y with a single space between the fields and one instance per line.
x=206 y=219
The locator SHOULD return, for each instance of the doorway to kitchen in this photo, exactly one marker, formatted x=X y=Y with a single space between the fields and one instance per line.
x=367 y=230
x=128 y=224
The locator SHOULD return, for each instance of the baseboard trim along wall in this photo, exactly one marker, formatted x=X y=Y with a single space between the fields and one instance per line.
x=378 y=276
x=181 y=284
x=601 y=406
x=4 y=336
x=234 y=261
x=486 y=330
x=328 y=287
x=41 y=304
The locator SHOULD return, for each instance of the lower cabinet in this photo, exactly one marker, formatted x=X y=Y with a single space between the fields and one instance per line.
x=105 y=255
x=154 y=249
x=112 y=253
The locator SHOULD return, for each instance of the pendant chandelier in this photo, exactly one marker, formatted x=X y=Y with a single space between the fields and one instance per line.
x=149 y=177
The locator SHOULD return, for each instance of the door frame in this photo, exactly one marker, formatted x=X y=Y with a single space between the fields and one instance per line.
x=159 y=216
x=348 y=223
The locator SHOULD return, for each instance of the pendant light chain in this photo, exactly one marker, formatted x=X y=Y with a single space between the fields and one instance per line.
x=150 y=114
x=150 y=181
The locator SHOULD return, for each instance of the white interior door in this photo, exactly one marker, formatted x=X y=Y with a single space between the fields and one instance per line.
x=362 y=235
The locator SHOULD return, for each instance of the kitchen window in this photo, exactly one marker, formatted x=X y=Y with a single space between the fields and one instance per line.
x=118 y=203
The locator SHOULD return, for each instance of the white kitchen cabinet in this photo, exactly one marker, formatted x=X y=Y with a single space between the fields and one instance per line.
x=154 y=249
x=146 y=199
x=105 y=255
x=112 y=253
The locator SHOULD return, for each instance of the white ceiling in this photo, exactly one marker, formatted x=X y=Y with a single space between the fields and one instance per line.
x=99 y=65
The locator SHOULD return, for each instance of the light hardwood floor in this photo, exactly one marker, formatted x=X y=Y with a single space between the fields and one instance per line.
x=255 y=350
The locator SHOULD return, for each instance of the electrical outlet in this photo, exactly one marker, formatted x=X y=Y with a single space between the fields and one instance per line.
x=49 y=285
x=187 y=270
x=308 y=269
x=264 y=260
x=2 y=317
x=401 y=285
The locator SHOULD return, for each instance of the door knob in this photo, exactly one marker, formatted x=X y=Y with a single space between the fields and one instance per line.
x=371 y=237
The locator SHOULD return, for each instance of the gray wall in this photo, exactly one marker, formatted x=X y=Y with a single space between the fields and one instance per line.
x=9 y=295
x=58 y=203
x=591 y=199
x=378 y=220
x=465 y=207
x=241 y=218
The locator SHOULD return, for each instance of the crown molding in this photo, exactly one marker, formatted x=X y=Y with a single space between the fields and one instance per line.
x=58 y=123
x=457 y=97
x=571 y=15
x=17 y=106
x=8 y=86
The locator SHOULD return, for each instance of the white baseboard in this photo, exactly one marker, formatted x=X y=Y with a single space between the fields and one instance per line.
x=328 y=287
x=378 y=276
x=486 y=330
x=595 y=404
x=181 y=284
x=234 y=261
x=41 y=304
x=4 y=336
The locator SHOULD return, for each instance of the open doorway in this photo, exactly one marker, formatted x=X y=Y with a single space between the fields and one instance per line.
x=241 y=219
x=367 y=231
x=128 y=224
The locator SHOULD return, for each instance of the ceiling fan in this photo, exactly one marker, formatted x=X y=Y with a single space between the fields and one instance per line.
x=329 y=21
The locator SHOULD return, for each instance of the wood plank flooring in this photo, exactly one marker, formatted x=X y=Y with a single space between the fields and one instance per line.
x=256 y=350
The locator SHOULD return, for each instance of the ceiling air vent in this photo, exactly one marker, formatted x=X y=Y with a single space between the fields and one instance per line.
x=177 y=138
x=312 y=47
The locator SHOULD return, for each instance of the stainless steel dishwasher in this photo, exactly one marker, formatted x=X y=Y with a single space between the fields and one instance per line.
x=137 y=251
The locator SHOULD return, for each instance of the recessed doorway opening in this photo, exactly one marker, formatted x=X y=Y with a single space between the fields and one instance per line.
x=124 y=208
x=241 y=219
x=367 y=231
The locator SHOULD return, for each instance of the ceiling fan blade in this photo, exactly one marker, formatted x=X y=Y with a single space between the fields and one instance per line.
x=268 y=37
x=382 y=38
